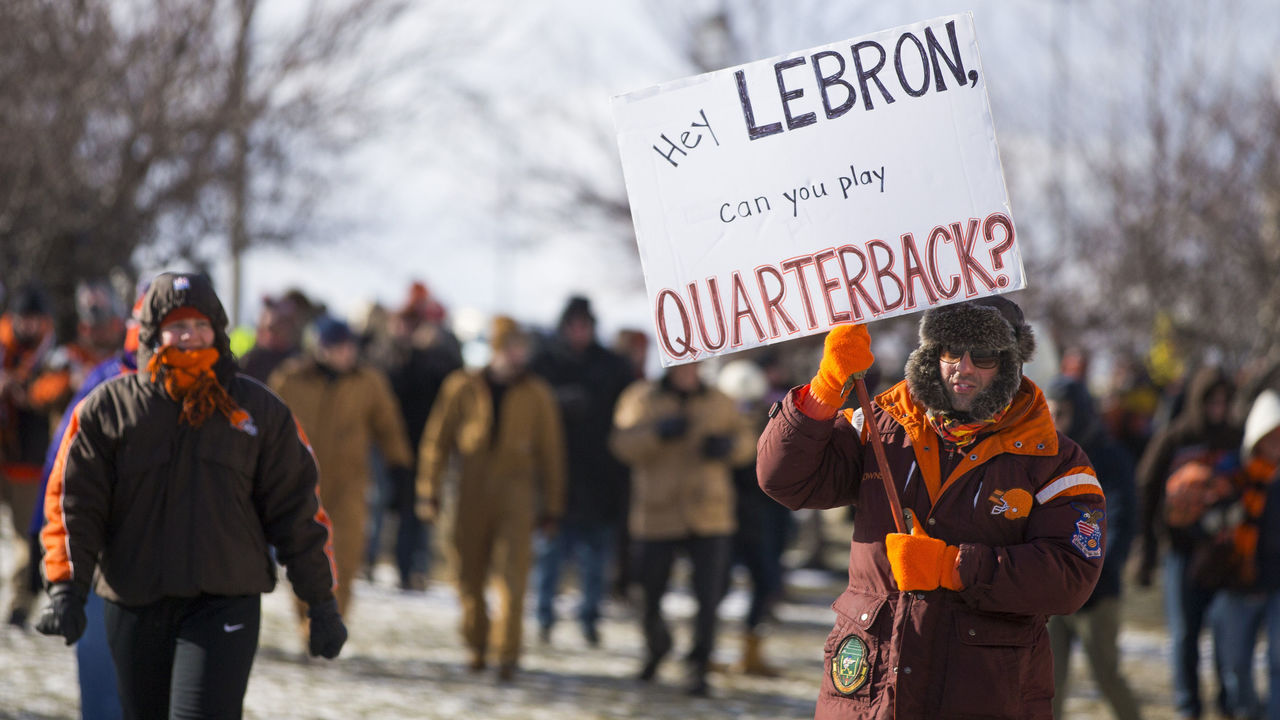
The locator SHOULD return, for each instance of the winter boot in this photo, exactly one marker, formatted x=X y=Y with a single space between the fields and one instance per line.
x=752 y=662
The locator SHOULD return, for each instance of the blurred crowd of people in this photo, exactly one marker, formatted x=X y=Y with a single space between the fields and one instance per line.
x=557 y=449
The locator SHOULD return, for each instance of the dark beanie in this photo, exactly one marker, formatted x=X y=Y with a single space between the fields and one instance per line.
x=331 y=331
x=578 y=307
x=30 y=300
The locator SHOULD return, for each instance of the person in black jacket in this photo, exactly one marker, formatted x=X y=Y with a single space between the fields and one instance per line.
x=1097 y=623
x=587 y=379
x=423 y=354
x=174 y=482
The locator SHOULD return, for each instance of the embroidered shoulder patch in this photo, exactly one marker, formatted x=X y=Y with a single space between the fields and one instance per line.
x=1088 y=535
x=849 y=667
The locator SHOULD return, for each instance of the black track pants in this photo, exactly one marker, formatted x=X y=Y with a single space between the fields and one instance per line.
x=184 y=657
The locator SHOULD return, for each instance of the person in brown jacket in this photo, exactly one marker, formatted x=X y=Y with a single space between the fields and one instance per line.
x=1008 y=520
x=493 y=456
x=346 y=408
x=182 y=485
x=681 y=438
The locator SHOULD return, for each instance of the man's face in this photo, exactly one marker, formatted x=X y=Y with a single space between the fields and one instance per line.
x=1216 y=405
x=278 y=327
x=512 y=357
x=578 y=333
x=341 y=356
x=1268 y=448
x=963 y=380
x=684 y=377
x=28 y=328
x=187 y=334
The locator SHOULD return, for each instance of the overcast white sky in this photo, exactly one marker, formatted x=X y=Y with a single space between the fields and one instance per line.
x=409 y=216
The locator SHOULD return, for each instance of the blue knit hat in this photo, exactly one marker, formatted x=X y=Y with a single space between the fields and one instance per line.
x=331 y=331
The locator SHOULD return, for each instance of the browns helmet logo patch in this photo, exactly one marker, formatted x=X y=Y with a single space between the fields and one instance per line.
x=1013 y=504
x=243 y=422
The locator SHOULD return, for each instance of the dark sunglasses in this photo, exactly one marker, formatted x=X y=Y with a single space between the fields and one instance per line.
x=985 y=359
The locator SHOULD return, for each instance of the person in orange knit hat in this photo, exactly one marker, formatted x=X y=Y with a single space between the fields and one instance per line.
x=1008 y=520
x=170 y=489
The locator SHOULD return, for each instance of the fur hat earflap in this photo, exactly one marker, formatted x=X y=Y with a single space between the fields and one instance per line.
x=989 y=323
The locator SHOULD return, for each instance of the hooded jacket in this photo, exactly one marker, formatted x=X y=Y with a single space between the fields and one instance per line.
x=1024 y=508
x=1192 y=433
x=165 y=509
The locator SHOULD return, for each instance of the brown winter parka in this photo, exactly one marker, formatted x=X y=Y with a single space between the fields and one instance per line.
x=165 y=509
x=1023 y=505
x=516 y=469
x=676 y=490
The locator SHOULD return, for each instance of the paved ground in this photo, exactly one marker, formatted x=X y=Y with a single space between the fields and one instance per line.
x=404 y=661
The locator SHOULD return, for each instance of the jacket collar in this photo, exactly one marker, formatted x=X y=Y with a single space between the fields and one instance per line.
x=1026 y=429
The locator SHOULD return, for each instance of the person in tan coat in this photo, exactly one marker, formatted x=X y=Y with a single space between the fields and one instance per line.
x=345 y=408
x=493 y=456
x=681 y=438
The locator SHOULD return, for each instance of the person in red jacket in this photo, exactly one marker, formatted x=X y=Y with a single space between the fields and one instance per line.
x=1008 y=519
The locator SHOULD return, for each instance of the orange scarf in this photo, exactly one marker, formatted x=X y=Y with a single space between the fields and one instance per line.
x=1258 y=474
x=959 y=433
x=188 y=378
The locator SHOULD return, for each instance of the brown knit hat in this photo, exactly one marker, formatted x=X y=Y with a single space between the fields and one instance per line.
x=504 y=332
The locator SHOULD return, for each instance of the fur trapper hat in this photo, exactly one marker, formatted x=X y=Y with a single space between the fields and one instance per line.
x=989 y=323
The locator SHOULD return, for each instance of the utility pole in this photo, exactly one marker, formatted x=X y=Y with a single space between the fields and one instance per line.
x=1059 y=95
x=239 y=176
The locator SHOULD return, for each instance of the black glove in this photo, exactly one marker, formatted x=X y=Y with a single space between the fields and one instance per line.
x=65 y=614
x=328 y=634
x=717 y=447
x=670 y=428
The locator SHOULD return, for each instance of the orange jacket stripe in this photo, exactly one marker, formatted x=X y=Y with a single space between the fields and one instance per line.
x=321 y=517
x=54 y=536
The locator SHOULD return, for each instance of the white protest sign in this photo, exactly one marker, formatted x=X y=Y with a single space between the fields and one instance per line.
x=847 y=183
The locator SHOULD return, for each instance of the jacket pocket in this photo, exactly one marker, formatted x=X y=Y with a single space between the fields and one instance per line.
x=987 y=659
x=851 y=653
x=139 y=471
x=235 y=457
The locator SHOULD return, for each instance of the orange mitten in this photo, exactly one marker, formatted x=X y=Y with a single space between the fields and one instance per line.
x=920 y=562
x=846 y=352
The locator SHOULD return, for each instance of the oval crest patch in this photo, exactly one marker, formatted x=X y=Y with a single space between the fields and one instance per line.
x=849 y=667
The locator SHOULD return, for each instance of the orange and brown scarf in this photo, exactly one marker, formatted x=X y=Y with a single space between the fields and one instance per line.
x=961 y=434
x=188 y=378
x=1253 y=485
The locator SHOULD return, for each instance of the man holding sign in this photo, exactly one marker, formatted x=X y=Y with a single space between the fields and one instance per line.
x=835 y=186
x=1005 y=519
